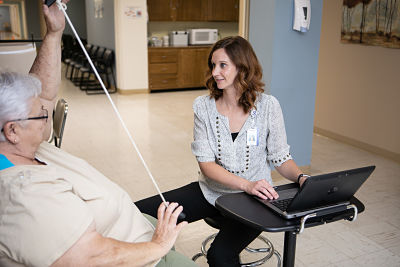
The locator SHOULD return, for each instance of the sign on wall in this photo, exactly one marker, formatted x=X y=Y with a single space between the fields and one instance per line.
x=98 y=9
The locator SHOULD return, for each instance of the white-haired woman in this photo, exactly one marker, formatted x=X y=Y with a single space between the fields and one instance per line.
x=56 y=209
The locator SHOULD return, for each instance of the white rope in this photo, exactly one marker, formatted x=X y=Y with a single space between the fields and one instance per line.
x=63 y=7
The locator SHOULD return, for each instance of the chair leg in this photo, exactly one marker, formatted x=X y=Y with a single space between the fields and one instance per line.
x=279 y=258
x=203 y=248
x=113 y=79
x=198 y=255
x=66 y=70
x=81 y=80
x=269 y=250
x=97 y=88
x=76 y=79
x=85 y=81
x=72 y=73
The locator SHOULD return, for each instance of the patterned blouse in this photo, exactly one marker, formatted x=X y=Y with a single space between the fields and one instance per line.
x=213 y=142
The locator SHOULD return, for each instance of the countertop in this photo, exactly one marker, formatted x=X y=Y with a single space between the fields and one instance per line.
x=181 y=47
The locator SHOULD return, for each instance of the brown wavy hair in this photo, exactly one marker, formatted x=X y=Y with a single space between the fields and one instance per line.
x=248 y=79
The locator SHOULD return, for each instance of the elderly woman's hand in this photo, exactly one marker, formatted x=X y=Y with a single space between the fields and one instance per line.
x=167 y=230
x=54 y=18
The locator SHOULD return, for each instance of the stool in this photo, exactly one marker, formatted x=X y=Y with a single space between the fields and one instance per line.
x=268 y=251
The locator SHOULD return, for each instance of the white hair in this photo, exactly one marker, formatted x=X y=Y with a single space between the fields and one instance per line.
x=16 y=93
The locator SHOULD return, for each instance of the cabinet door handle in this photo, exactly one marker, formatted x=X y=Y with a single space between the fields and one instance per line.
x=163 y=56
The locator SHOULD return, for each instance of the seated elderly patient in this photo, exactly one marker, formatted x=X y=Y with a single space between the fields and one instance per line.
x=56 y=209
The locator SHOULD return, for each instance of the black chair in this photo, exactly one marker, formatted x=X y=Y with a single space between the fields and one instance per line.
x=80 y=62
x=266 y=252
x=76 y=55
x=67 y=42
x=96 y=56
x=105 y=68
x=71 y=56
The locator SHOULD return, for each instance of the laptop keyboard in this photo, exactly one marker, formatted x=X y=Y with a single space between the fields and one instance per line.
x=282 y=204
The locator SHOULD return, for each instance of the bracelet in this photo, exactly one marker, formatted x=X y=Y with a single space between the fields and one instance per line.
x=301 y=175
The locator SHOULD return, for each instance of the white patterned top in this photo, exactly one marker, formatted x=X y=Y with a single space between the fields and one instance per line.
x=213 y=142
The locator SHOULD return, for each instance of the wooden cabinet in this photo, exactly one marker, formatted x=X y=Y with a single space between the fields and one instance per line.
x=163 y=68
x=223 y=10
x=192 y=67
x=161 y=10
x=177 y=67
x=193 y=10
x=177 y=10
x=190 y=10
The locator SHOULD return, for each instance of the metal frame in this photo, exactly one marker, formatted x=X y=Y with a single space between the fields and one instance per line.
x=308 y=216
x=269 y=250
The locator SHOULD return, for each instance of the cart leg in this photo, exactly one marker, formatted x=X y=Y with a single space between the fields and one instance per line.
x=289 y=249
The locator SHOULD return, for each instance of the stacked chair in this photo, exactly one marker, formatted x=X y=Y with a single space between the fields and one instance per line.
x=67 y=47
x=70 y=50
x=104 y=66
x=81 y=62
x=79 y=71
x=78 y=62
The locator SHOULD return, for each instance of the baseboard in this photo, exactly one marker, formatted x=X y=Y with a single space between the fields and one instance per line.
x=133 y=91
x=350 y=141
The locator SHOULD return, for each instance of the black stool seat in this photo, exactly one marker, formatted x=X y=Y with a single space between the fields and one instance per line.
x=215 y=221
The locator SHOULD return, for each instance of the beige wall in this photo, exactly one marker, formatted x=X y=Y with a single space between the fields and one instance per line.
x=358 y=90
x=131 y=46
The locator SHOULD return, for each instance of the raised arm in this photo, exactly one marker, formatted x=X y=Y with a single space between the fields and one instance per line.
x=47 y=64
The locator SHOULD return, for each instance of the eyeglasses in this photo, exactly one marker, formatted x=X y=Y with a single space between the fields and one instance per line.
x=45 y=116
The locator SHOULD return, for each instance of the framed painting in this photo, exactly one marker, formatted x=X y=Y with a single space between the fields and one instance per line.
x=371 y=22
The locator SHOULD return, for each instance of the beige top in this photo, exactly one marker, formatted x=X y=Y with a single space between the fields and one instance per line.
x=45 y=209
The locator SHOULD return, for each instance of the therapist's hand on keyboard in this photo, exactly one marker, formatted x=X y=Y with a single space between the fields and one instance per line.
x=261 y=189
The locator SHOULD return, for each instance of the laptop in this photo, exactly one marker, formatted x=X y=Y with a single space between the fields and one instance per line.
x=319 y=194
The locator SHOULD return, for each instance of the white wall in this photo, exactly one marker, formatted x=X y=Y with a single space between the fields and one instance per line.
x=100 y=31
x=131 y=46
x=77 y=14
x=358 y=90
x=17 y=57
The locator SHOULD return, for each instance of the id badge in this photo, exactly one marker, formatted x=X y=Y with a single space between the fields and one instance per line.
x=252 y=137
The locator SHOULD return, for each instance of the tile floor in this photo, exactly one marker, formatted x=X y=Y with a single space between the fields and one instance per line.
x=161 y=124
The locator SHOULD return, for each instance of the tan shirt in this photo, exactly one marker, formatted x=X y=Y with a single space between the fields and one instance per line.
x=45 y=209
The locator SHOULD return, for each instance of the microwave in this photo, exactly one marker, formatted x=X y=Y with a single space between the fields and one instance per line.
x=202 y=36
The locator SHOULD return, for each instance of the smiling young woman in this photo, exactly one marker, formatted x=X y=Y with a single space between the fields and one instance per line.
x=238 y=133
x=249 y=72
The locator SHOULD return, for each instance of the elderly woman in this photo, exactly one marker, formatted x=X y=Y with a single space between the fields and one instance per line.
x=56 y=209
